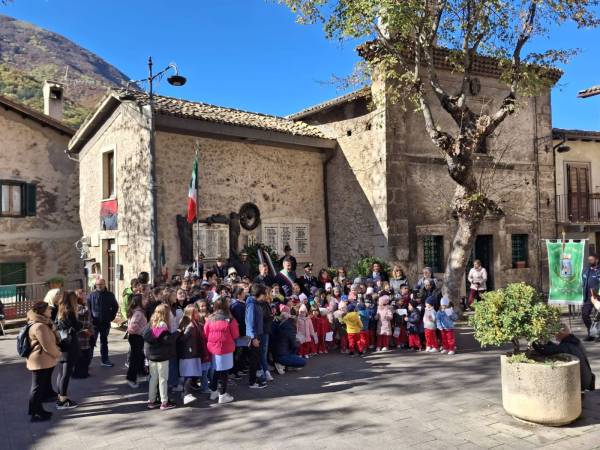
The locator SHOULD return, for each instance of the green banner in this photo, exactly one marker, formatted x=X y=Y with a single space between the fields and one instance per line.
x=565 y=263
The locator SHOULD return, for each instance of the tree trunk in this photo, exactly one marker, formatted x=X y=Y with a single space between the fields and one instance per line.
x=454 y=277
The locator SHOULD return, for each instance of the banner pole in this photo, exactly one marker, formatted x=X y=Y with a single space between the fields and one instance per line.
x=197 y=214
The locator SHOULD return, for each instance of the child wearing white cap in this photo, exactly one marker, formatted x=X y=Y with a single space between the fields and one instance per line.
x=445 y=319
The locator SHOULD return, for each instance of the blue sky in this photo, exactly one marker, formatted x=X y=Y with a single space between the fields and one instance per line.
x=250 y=54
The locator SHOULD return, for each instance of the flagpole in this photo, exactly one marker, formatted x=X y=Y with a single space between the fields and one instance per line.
x=197 y=215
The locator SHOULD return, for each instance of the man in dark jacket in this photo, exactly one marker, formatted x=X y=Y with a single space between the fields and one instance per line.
x=570 y=344
x=263 y=276
x=284 y=342
x=286 y=277
x=103 y=308
x=254 y=330
x=591 y=282
x=308 y=280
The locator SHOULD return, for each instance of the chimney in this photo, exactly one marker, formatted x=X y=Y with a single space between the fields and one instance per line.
x=53 y=99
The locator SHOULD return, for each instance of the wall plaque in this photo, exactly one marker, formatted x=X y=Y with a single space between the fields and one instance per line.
x=277 y=233
x=213 y=239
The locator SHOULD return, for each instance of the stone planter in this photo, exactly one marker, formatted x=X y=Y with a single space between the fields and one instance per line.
x=548 y=394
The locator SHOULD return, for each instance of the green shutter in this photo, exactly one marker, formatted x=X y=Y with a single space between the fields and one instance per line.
x=30 y=199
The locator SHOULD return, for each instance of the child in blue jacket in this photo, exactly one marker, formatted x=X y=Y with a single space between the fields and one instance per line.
x=445 y=319
x=366 y=316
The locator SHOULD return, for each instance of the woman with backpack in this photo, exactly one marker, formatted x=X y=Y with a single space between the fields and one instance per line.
x=42 y=358
x=68 y=328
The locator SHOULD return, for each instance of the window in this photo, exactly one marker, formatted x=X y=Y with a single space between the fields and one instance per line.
x=433 y=252
x=108 y=174
x=17 y=199
x=520 y=249
x=13 y=273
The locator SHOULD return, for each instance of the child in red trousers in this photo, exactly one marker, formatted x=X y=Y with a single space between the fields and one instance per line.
x=353 y=328
x=445 y=319
x=429 y=318
x=414 y=327
x=366 y=317
x=340 y=327
x=322 y=328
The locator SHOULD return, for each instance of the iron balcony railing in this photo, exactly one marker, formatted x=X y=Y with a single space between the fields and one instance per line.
x=18 y=298
x=578 y=208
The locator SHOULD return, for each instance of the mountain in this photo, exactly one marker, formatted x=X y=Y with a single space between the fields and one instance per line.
x=29 y=55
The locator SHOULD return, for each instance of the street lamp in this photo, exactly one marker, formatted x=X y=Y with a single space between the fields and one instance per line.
x=174 y=80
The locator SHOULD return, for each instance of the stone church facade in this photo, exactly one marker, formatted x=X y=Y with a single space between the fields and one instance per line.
x=390 y=192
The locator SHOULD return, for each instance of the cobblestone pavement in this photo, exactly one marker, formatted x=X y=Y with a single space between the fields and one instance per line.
x=392 y=400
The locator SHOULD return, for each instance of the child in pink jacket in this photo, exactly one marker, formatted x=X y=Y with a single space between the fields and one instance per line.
x=384 y=316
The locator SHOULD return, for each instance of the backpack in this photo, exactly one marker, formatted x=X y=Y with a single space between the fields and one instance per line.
x=23 y=342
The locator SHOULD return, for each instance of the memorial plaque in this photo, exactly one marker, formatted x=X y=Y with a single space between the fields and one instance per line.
x=295 y=233
x=213 y=239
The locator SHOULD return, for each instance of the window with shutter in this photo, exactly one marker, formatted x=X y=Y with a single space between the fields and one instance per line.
x=12 y=199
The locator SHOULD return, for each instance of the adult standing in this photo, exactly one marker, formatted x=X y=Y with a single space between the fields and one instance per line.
x=220 y=268
x=263 y=276
x=255 y=330
x=103 y=308
x=82 y=366
x=42 y=359
x=288 y=255
x=68 y=327
x=267 y=315
x=426 y=274
x=377 y=272
x=286 y=276
x=591 y=282
x=308 y=280
x=221 y=331
x=478 y=279
x=397 y=279
x=242 y=265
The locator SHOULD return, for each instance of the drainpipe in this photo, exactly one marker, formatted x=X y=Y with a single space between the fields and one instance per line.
x=70 y=155
x=537 y=193
x=326 y=161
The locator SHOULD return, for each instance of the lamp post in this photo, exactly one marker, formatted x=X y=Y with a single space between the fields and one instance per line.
x=174 y=80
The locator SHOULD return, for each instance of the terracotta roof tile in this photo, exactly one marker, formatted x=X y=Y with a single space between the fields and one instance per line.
x=171 y=106
x=346 y=98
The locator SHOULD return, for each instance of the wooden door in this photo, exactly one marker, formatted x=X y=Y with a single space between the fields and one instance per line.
x=578 y=192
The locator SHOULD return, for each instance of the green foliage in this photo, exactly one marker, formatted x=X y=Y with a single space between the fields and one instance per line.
x=252 y=251
x=513 y=313
x=362 y=267
x=520 y=358
x=56 y=280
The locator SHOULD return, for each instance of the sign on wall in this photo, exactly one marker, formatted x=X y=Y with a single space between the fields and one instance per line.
x=294 y=232
x=213 y=239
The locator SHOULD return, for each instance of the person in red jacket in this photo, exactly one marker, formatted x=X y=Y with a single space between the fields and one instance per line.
x=322 y=328
x=221 y=331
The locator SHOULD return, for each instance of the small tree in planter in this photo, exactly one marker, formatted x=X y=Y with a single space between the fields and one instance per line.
x=362 y=267
x=511 y=314
x=542 y=393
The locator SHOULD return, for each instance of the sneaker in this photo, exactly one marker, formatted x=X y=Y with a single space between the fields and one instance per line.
x=235 y=376
x=214 y=395
x=107 y=364
x=280 y=368
x=126 y=365
x=434 y=350
x=152 y=405
x=258 y=385
x=189 y=399
x=451 y=352
x=67 y=404
x=268 y=376
x=133 y=384
x=259 y=374
x=384 y=349
x=378 y=349
x=443 y=351
x=305 y=356
x=225 y=398
x=427 y=349
x=167 y=405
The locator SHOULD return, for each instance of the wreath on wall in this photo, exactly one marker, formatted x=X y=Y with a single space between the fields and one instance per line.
x=249 y=216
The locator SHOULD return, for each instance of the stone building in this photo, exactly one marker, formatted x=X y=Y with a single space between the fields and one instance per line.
x=247 y=161
x=39 y=201
x=577 y=155
x=389 y=190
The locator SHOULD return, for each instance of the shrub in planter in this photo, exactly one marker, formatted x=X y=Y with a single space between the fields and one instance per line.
x=541 y=390
x=362 y=267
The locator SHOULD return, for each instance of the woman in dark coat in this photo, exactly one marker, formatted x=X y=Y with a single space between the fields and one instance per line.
x=68 y=328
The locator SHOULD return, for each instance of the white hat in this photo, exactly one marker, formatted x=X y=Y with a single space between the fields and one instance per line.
x=302 y=297
x=231 y=270
x=370 y=290
x=445 y=301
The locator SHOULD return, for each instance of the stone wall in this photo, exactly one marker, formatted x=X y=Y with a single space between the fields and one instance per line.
x=394 y=180
x=284 y=183
x=126 y=133
x=35 y=154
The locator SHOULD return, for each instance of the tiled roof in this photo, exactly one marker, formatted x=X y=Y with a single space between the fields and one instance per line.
x=362 y=92
x=583 y=135
x=482 y=65
x=589 y=92
x=35 y=115
x=171 y=106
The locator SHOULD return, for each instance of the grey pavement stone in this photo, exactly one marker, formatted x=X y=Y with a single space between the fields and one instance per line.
x=394 y=400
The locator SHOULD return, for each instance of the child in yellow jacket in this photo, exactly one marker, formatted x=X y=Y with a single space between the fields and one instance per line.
x=353 y=328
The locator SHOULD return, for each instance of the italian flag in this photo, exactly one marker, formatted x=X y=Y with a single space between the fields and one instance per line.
x=193 y=193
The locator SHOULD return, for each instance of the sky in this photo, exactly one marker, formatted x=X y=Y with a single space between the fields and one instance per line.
x=252 y=55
